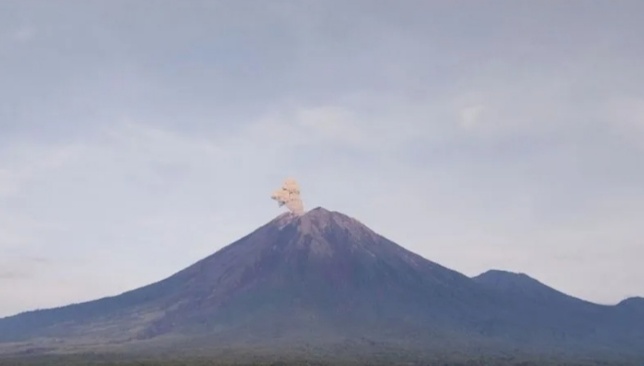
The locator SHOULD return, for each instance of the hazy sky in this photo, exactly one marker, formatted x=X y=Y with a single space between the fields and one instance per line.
x=137 y=137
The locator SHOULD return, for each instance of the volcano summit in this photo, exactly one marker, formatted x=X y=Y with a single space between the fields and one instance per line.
x=323 y=286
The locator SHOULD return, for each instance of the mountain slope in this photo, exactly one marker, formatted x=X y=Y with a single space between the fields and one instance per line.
x=318 y=281
x=572 y=321
x=322 y=273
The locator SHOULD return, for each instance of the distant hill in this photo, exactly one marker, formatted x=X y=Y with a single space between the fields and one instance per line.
x=324 y=286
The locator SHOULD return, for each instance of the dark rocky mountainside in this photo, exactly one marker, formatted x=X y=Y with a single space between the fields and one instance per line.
x=315 y=283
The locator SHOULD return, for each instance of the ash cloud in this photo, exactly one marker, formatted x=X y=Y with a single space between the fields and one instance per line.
x=289 y=195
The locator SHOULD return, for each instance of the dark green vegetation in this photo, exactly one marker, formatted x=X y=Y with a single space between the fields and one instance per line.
x=323 y=288
x=463 y=360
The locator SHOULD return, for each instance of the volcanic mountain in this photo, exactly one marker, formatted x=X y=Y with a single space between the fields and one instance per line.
x=324 y=285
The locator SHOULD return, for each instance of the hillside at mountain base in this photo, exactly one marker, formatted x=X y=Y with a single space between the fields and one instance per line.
x=322 y=286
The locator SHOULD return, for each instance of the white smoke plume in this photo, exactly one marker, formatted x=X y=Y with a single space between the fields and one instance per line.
x=289 y=196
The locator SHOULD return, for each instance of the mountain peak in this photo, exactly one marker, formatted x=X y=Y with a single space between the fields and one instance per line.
x=322 y=214
x=497 y=276
x=320 y=209
x=632 y=301
x=511 y=281
x=320 y=220
x=522 y=285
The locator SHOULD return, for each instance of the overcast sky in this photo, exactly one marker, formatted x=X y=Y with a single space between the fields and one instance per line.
x=137 y=137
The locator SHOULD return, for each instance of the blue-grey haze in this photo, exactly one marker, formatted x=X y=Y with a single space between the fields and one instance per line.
x=137 y=137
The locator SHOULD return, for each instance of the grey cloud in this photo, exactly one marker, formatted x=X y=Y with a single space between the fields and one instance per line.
x=96 y=61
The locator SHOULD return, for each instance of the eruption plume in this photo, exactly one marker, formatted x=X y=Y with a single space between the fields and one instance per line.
x=289 y=196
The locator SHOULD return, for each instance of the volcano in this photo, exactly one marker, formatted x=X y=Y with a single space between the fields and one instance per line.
x=323 y=285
